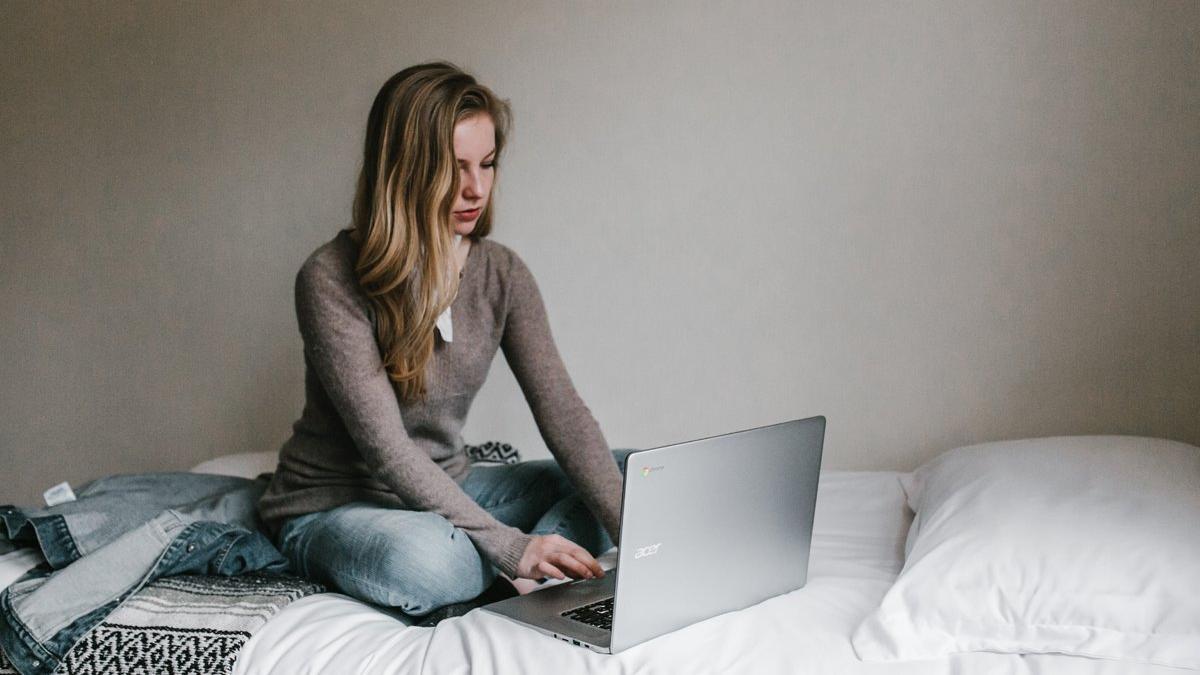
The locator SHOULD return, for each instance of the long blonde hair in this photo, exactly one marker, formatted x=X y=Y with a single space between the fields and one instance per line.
x=402 y=218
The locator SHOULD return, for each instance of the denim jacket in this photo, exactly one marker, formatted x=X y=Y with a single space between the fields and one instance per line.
x=121 y=533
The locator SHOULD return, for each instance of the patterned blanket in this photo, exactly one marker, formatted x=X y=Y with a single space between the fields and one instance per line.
x=183 y=625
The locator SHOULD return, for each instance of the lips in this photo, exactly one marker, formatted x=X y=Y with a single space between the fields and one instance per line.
x=466 y=215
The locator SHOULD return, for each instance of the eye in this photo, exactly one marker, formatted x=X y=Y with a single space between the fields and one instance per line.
x=489 y=165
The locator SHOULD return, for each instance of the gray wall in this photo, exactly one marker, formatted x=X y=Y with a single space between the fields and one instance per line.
x=935 y=223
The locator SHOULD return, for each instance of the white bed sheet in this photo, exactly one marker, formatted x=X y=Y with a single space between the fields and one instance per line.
x=857 y=551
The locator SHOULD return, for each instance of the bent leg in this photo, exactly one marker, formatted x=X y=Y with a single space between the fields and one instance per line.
x=416 y=561
x=517 y=494
x=537 y=497
x=571 y=518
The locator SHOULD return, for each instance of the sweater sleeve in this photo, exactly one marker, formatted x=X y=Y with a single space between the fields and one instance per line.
x=340 y=344
x=565 y=422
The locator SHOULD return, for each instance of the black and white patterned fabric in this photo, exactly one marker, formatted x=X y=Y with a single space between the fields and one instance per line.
x=493 y=451
x=181 y=625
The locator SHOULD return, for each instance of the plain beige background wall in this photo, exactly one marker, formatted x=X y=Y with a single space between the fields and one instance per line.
x=933 y=222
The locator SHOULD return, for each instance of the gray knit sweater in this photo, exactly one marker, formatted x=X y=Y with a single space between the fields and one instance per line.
x=356 y=441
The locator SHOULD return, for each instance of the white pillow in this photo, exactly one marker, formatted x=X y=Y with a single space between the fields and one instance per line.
x=245 y=465
x=1085 y=545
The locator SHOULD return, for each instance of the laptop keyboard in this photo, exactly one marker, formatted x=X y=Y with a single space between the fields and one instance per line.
x=598 y=614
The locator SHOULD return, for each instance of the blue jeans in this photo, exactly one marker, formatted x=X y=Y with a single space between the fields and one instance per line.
x=417 y=561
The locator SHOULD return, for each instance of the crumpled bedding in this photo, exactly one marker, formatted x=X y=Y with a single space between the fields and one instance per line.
x=857 y=551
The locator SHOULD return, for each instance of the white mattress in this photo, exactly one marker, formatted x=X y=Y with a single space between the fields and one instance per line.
x=857 y=551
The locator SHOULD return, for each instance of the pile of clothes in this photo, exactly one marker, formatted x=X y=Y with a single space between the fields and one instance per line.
x=128 y=551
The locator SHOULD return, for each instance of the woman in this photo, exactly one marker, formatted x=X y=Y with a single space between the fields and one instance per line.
x=401 y=315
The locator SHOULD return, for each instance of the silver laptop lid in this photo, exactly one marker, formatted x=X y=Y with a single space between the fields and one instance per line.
x=714 y=525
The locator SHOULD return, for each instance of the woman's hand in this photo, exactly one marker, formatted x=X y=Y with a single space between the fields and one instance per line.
x=556 y=556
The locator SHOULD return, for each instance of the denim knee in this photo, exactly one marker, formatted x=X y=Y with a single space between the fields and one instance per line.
x=430 y=576
x=412 y=560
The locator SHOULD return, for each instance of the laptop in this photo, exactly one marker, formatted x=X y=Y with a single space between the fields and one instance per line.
x=707 y=527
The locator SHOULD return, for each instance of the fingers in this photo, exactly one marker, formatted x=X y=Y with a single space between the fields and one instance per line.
x=558 y=557
x=548 y=569
x=577 y=568
x=582 y=556
x=593 y=565
x=586 y=564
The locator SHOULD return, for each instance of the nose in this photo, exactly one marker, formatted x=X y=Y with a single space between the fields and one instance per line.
x=472 y=185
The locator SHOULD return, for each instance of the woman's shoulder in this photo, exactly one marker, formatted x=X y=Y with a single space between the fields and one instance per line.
x=333 y=260
x=502 y=258
x=327 y=281
x=507 y=281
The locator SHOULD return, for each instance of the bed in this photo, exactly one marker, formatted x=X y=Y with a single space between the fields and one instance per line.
x=858 y=550
x=1133 y=503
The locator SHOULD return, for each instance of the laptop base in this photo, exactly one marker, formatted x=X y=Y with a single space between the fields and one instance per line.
x=542 y=610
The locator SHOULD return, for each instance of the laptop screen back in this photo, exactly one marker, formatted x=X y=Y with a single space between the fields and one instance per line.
x=714 y=525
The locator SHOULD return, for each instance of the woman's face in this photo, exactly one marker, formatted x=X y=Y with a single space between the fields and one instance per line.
x=475 y=151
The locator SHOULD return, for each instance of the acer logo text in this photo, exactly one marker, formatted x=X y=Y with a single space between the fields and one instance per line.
x=647 y=550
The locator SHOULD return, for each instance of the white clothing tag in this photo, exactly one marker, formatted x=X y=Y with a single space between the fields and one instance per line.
x=445 y=326
x=59 y=494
